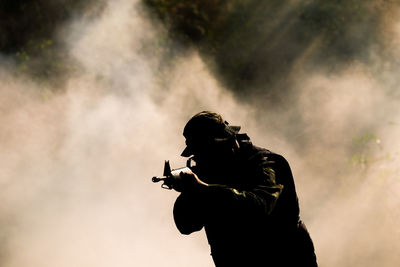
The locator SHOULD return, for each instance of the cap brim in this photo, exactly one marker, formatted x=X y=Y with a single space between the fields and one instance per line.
x=187 y=152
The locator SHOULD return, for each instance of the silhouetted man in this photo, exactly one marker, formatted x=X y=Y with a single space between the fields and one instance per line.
x=244 y=197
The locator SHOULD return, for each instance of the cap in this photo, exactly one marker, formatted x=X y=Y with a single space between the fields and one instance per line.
x=206 y=127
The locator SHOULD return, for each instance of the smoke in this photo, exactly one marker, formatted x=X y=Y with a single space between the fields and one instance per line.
x=76 y=163
x=349 y=143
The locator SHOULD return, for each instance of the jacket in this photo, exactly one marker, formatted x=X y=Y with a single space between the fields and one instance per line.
x=252 y=220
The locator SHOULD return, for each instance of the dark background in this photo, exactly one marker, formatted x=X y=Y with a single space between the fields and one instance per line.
x=252 y=46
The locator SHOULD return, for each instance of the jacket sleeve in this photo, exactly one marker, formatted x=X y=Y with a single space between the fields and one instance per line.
x=262 y=191
x=189 y=213
x=192 y=210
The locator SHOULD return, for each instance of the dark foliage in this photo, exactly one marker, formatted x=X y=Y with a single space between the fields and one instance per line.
x=255 y=45
x=28 y=33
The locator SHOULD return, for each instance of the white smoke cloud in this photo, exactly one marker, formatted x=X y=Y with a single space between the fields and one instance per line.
x=75 y=166
x=353 y=225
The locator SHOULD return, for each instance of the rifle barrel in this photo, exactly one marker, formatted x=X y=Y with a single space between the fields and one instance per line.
x=157 y=179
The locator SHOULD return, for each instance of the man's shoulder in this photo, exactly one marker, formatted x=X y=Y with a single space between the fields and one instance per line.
x=266 y=152
x=251 y=151
x=256 y=153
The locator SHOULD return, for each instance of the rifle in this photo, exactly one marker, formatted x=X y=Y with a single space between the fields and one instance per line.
x=170 y=177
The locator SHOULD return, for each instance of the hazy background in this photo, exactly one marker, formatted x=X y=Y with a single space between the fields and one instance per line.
x=94 y=96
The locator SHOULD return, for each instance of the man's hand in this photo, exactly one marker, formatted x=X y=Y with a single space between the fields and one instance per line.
x=188 y=181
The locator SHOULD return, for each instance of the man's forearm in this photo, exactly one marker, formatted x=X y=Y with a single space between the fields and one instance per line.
x=188 y=213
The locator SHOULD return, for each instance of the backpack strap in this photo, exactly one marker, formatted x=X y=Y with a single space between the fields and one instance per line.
x=244 y=141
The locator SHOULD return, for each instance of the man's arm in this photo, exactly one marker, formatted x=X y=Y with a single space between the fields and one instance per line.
x=194 y=208
x=189 y=212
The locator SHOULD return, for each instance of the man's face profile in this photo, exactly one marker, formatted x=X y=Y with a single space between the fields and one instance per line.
x=214 y=158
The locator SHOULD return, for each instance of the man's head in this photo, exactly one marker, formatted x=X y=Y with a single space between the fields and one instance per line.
x=208 y=133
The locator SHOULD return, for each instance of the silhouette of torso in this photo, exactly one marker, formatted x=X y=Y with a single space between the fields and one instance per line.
x=253 y=219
